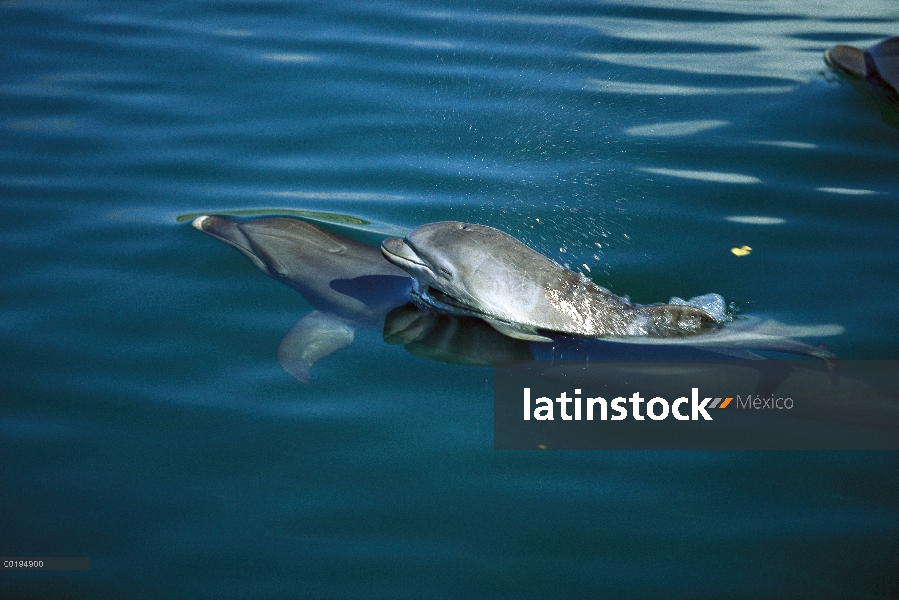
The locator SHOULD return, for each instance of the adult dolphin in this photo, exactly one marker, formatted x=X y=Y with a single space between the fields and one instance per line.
x=476 y=270
x=351 y=286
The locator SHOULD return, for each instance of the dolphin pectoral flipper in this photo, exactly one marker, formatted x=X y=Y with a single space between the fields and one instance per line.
x=519 y=332
x=313 y=337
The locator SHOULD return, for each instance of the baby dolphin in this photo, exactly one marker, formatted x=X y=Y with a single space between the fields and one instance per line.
x=878 y=66
x=480 y=271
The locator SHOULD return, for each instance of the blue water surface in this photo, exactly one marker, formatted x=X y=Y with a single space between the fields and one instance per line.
x=145 y=422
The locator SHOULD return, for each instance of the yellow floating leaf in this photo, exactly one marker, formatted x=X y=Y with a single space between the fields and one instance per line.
x=743 y=251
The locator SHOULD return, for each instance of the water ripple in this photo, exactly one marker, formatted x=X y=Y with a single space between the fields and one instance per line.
x=713 y=176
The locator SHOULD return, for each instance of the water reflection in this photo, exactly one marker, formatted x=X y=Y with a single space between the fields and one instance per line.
x=788 y=144
x=667 y=89
x=755 y=220
x=846 y=191
x=287 y=57
x=712 y=176
x=363 y=196
x=755 y=64
x=450 y=338
x=677 y=128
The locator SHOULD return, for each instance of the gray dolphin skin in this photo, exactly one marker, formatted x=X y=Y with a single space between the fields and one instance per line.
x=348 y=283
x=480 y=271
x=878 y=66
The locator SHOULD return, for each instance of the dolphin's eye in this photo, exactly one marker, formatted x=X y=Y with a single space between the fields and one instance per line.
x=444 y=272
x=466 y=227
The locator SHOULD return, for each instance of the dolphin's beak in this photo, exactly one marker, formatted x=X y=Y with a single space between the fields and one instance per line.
x=226 y=230
x=229 y=231
x=398 y=252
x=198 y=222
x=392 y=246
x=847 y=59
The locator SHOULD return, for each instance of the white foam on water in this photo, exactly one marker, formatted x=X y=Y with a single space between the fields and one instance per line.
x=711 y=303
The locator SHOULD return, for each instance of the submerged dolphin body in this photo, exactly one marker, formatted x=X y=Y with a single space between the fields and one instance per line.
x=348 y=283
x=480 y=271
x=756 y=334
